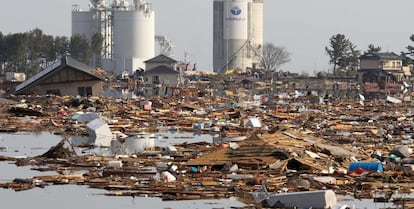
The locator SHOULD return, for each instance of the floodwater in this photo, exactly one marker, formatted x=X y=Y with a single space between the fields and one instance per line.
x=75 y=196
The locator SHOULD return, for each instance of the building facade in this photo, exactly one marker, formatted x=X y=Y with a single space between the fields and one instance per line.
x=161 y=76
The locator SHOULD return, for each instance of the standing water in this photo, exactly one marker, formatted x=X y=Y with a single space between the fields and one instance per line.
x=74 y=196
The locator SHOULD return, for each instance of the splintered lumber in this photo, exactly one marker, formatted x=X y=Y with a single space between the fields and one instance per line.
x=61 y=178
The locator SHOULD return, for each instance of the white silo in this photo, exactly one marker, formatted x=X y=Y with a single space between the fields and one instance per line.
x=84 y=22
x=96 y=20
x=128 y=31
x=238 y=34
x=133 y=35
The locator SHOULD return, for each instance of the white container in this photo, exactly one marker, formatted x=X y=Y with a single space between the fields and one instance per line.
x=115 y=164
x=167 y=177
x=139 y=143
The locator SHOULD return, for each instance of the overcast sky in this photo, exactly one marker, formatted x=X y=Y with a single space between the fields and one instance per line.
x=303 y=27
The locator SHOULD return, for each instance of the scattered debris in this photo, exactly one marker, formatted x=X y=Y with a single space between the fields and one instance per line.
x=301 y=144
x=60 y=151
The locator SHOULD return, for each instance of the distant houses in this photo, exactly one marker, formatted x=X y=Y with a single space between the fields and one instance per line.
x=382 y=72
x=67 y=76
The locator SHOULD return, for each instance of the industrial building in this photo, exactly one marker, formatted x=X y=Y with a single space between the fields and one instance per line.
x=128 y=32
x=238 y=34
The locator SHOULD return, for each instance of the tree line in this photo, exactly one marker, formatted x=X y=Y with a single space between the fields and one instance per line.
x=30 y=52
x=344 y=55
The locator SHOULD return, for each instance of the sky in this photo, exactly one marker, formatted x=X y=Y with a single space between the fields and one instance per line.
x=303 y=27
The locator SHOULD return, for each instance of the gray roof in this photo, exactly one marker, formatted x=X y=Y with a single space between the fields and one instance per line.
x=161 y=59
x=381 y=56
x=161 y=70
x=55 y=67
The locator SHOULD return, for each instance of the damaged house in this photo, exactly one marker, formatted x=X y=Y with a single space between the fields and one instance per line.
x=161 y=76
x=65 y=77
x=382 y=72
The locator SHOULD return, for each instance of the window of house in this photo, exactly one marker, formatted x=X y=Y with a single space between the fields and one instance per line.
x=53 y=92
x=156 y=79
x=85 y=91
x=155 y=91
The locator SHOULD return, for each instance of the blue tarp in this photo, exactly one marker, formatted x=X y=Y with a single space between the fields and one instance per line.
x=368 y=166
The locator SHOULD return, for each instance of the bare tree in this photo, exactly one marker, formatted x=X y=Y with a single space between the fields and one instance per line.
x=273 y=57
